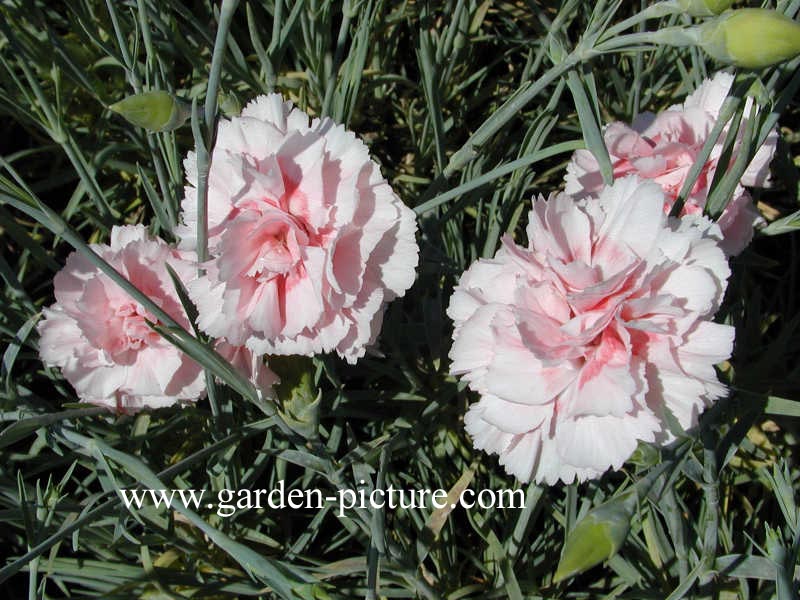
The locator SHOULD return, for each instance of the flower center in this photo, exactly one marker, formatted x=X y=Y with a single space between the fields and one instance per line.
x=280 y=238
x=133 y=328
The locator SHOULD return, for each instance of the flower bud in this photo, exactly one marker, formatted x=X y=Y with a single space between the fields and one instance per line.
x=297 y=394
x=556 y=49
x=751 y=37
x=645 y=455
x=154 y=111
x=597 y=537
x=705 y=8
x=229 y=104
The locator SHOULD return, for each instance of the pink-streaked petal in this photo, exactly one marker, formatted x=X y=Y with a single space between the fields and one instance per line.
x=100 y=337
x=308 y=241
x=579 y=344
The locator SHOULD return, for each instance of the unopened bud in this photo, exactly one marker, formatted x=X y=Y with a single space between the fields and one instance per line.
x=645 y=455
x=705 y=8
x=597 y=537
x=154 y=111
x=297 y=393
x=555 y=48
x=229 y=104
x=751 y=37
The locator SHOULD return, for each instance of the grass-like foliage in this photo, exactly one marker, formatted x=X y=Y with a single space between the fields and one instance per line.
x=471 y=108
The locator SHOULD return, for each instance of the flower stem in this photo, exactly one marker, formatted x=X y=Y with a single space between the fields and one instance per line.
x=204 y=145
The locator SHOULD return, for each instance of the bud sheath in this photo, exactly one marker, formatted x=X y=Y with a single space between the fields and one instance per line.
x=154 y=111
x=705 y=8
x=752 y=38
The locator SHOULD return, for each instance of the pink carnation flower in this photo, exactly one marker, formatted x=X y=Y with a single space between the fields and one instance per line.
x=250 y=365
x=308 y=240
x=98 y=336
x=579 y=343
x=664 y=147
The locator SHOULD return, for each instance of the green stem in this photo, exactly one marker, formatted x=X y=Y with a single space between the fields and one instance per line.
x=205 y=147
x=497 y=173
x=510 y=109
x=677 y=36
x=56 y=131
x=136 y=84
x=203 y=168
x=654 y=11
x=225 y=16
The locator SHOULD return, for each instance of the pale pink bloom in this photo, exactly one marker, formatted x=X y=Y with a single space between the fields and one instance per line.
x=98 y=335
x=664 y=147
x=309 y=243
x=579 y=343
x=250 y=365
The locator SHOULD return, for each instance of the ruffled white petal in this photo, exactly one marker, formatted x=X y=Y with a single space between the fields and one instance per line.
x=582 y=343
x=317 y=279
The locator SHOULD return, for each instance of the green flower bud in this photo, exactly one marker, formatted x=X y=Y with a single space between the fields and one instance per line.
x=297 y=393
x=751 y=37
x=555 y=48
x=597 y=537
x=705 y=8
x=154 y=111
x=645 y=455
x=229 y=104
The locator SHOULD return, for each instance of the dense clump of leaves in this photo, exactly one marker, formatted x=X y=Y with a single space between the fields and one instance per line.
x=470 y=107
